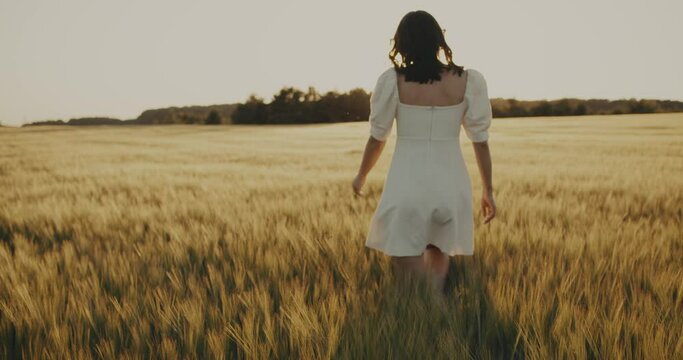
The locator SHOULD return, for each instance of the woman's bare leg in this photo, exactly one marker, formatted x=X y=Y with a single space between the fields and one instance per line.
x=416 y=267
x=409 y=265
x=437 y=263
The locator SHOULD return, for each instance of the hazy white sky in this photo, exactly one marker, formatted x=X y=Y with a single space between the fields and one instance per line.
x=74 y=58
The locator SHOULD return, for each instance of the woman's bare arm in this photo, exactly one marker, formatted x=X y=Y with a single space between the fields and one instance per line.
x=373 y=149
x=483 y=155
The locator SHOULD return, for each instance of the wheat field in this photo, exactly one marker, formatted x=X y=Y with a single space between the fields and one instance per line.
x=246 y=242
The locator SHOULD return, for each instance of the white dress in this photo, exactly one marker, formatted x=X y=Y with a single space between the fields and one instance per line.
x=427 y=195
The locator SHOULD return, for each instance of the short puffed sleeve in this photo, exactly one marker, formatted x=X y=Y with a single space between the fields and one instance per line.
x=477 y=118
x=383 y=105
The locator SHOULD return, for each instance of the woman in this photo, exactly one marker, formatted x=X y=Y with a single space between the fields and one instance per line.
x=425 y=212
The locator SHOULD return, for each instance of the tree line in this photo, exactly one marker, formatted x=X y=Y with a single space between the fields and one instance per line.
x=294 y=106
x=569 y=107
x=209 y=115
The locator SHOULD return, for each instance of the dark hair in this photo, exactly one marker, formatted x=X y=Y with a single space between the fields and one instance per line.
x=418 y=40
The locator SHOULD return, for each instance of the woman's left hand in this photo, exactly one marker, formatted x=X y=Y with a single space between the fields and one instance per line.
x=357 y=185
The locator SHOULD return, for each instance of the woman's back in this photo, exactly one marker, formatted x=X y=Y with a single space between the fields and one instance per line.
x=463 y=101
x=450 y=90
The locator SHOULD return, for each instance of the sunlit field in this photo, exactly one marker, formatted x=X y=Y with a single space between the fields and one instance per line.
x=246 y=242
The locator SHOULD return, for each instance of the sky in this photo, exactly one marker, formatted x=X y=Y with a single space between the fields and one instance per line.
x=76 y=58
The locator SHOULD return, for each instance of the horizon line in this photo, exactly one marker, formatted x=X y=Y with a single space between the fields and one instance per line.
x=7 y=124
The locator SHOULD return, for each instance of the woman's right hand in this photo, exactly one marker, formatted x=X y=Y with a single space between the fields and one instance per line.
x=488 y=206
x=357 y=185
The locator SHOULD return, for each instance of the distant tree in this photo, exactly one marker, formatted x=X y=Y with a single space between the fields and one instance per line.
x=288 y=107
x=213 y=118
x=498 y=108
x=185 y=118
x=517 y=109
x=544 y=108
x=45 y=122
x=562 y=108
x=253 y=111
x=94 y=121
x=312 y=95
x=355 y=105
x=330 y=107
x=580 y=109
x=640 y=107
